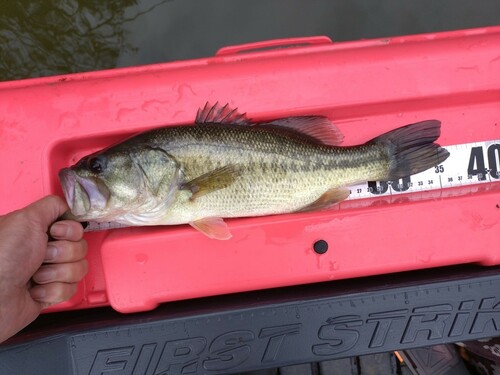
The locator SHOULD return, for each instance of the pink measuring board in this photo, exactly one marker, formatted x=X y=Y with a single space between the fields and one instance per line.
x=366 y=88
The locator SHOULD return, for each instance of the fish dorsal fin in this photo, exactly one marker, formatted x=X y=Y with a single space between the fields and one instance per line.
x=220 y=114
x=319 y=128
x=212 y=227
x=326 y=200
x=217 y=179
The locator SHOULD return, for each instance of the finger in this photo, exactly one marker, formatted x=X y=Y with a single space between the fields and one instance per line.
x=66 y=230
x=46 y=210
x=52 y=293
x=64 y=272
x=65 y=251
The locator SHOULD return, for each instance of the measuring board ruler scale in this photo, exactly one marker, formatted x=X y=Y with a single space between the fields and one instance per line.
x=468 y=164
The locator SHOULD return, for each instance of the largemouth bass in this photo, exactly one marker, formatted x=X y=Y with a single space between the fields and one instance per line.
x=225 y=166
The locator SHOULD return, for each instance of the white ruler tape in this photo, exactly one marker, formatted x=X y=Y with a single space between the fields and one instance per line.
x=468 y=164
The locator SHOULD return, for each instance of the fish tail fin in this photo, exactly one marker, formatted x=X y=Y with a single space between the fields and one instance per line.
x=412 y=149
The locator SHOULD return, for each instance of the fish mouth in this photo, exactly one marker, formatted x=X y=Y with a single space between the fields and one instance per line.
x=82 y=194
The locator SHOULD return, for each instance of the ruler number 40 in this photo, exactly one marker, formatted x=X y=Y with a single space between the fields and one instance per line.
x=477 y=165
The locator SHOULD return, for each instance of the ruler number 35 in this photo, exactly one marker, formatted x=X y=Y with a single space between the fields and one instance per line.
x=439 y=168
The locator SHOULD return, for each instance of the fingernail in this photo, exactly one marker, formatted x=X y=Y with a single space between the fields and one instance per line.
x=59 y=230
x=43 y=275
x=51 y=253
x=38 y=293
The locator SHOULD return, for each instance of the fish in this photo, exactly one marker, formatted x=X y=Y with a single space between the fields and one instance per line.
x=225 y=165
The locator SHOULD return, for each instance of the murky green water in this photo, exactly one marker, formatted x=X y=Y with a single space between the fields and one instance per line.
x=39 y=38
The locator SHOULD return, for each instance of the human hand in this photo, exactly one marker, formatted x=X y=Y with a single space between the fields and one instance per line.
x=37 y=271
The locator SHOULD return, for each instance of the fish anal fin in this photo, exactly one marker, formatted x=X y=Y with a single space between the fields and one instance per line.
x=220 y=114
x=212 y=227
x=326 y=200
x=320 y=128
x=217 y=179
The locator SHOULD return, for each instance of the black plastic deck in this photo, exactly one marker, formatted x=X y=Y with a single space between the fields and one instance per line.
x=272 y=328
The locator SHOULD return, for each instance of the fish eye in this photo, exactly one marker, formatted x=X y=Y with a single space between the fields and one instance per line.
x=97 y=164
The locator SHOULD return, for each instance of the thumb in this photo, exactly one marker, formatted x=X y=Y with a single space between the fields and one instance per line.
x=46 y=210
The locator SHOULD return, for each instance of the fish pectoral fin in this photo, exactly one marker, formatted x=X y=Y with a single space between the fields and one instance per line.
x=326 y=200
x=319 y=128
x=217 y=179
x=212 y=227
x=220 y=114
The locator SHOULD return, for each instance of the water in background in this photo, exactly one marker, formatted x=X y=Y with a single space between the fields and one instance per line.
x=64 y=36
